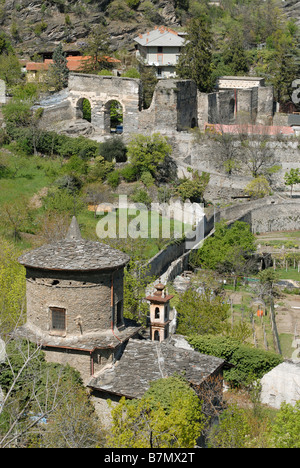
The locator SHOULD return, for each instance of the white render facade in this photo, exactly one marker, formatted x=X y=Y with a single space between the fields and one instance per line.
x=160 y=48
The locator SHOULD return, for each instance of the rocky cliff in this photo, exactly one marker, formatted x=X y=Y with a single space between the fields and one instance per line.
x=36 y=26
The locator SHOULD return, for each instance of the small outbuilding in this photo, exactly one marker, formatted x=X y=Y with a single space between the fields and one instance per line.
x=281 y=384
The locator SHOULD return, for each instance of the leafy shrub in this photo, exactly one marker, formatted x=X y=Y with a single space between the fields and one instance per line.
x=4 y=138
x=114 y=179
x=147 y=179
x=133 y=3
x=131 y=73
x=193 y=189
x=80 y=146
x=75 y=166
x=247 y=361
x=113 y=149
x=100 y=169
x=146 y=152
x=63 y=200
x=129 y=173
x=141 y=196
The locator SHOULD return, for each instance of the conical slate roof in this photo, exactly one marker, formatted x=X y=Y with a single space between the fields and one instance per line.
x=74 y=254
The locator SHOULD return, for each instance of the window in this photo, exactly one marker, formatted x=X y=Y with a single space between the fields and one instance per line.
x=157 y=312
x=159 y=50
x=58 y=319
x=156 y=335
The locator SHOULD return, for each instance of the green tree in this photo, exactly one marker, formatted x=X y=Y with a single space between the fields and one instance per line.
x=291 y=178
x=97 y=50
x=135 y=282
x=194 y=188
x=285 y=432
x=113 y=149
x=5 y=45
x=33 y=389
x=147 y=152
x=240 y=428
x=201 y=313
x=17 y=112
x=234 y=53
x=195 y=61
x=167 y=416
x=218 y=250
x=283 y=68
x=58 y=73
x=12 y=287
x=259 y=187
x=73 y=423
x=10 y=70
x=149 y=81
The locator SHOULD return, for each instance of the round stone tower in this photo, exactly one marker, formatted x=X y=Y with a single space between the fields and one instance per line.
x=74 y=292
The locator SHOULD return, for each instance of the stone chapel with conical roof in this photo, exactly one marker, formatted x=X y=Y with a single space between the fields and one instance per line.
x=74 y=291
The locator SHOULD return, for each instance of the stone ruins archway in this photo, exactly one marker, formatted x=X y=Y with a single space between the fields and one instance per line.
x=83 y=109
x=113 y=116
x=101 y=91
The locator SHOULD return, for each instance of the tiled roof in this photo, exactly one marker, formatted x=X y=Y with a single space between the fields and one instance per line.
x=73 y=63
x=160 y=36
x=144 y=361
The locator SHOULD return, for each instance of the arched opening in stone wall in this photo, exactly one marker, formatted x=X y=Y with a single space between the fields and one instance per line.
x=84 y=109
x=231 y=109
x=113 y=118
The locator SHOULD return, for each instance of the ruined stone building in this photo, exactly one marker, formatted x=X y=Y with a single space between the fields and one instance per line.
x=176 y=105
x=74 y=290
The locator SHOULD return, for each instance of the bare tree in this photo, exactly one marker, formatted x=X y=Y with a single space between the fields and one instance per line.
x=34 y=394
x=257 y=149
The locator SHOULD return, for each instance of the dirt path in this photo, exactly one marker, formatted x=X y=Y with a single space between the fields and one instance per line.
x=288 y=315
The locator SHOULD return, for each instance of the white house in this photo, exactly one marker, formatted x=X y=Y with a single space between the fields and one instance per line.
x=160 y=48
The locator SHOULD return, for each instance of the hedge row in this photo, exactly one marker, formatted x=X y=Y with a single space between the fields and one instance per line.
x=51 y=143
x=248 y=362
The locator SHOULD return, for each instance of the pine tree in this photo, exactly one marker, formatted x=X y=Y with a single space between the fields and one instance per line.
x=234 y=53
x=58 y=72
x=195 y=62
x=97 y=50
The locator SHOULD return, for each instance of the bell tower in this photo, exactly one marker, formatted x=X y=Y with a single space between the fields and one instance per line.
x=159 y=313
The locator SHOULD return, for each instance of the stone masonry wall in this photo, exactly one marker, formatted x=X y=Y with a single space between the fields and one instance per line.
x=176 y=104
x=100 y=90
x=85 y=294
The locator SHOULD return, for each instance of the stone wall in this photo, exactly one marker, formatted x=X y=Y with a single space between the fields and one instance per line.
x=277 y=217
x=100 y=91
x=239 y=82
x=265 y=215
x=204 y=153
x=173 y=107
x=86 y=295
x=177 y=105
